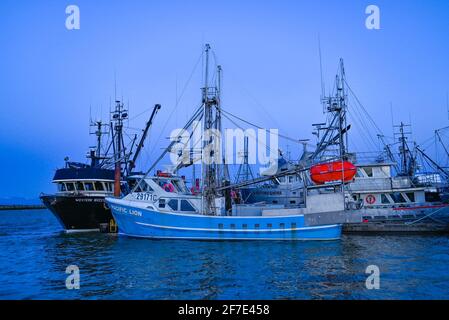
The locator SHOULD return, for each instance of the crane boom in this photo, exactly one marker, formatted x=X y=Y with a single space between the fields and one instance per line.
x=132 y=163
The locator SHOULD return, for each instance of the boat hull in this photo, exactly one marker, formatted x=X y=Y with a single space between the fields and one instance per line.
x=148 y=223
x=78 y=213
x=413 y=219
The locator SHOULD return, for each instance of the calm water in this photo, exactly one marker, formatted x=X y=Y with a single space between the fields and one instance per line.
x=34 y=255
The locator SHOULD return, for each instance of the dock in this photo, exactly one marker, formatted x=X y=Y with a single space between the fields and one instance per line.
x=21 y=207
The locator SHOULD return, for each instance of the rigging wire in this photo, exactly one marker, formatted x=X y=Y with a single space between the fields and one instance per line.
x=363 y=108
x=177 y=102
x=299 y=141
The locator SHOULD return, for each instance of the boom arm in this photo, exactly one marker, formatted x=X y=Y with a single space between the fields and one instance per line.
x=132 y=163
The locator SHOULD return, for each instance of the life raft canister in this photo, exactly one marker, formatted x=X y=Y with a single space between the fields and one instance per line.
x=333 y=171
x=169 y=187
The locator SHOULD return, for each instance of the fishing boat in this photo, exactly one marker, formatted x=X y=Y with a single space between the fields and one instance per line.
x=152 y=211
x=79 y=203
x=160 y=206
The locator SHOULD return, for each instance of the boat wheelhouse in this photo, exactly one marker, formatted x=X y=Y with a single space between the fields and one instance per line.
x=86 y=180
x=79 y=203
x=379 y=201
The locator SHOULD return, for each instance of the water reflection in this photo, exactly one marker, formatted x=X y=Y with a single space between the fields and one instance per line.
x=33 y=259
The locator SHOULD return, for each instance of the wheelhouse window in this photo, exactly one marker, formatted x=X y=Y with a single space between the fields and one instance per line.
x=368 y=171
x=70 y=186
x=143 y=187
x=61 y=187
x=173 y=204
x=432 y=197
x=89 y=186
x=79 y=186
x=99 y=186
x=384 y=199
x=161 y=203
x=398 y=197
x=186 y=206
x=411 y=196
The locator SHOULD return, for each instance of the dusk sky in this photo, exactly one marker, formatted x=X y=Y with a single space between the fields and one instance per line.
x=50 y=77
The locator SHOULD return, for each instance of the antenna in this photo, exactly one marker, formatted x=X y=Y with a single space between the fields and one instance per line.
x=321 y=69
x=115 y=85
x=447 y=104
x=391 y=114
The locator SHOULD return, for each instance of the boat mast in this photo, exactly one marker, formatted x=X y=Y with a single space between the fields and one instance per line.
x=210 y=146
x=342 y=112
x=95 y=155
x=407 y=159
x=335 y=134
x=118 y=116
x=244 y=172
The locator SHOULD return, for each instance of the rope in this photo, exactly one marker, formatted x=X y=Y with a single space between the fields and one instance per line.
x=427 y=216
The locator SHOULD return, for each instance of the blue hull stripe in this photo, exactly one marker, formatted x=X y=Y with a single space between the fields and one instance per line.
x=237 y=230
x=230 y=239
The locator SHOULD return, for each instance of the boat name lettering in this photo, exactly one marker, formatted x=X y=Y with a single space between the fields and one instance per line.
x=124 y=210
x=89 y=200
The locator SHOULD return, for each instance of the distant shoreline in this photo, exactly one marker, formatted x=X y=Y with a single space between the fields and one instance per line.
x=21 y=207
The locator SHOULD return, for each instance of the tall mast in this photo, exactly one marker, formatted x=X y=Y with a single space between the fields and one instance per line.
x=211 y=123
x=218 y=120
x=244 y=173
x=95 y=155
x=343 y=99
x=335 y=134
x=407 y=160
x=118 y=116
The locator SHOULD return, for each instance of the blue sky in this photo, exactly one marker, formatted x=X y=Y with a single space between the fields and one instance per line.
x=49 y=76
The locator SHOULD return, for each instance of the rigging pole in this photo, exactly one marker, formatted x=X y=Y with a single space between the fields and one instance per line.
x=118 y=116
x=132 y=162
x=335 y=133
x=210 y=144
x=407 y=161
x=95 y=155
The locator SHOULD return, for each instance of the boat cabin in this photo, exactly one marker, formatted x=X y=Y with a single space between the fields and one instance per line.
x=168 y=193
x=375 y=187
x=86 y=180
